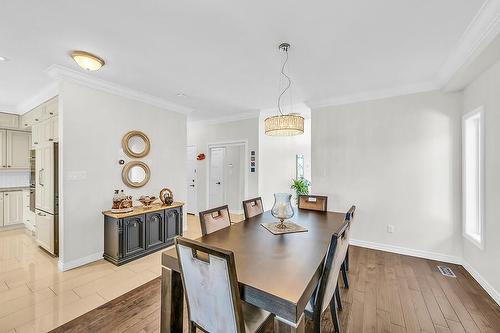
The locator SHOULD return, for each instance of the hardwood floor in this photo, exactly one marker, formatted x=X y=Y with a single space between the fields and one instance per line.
x=388 y=293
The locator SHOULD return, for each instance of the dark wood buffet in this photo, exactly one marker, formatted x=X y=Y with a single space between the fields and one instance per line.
x=131 y=235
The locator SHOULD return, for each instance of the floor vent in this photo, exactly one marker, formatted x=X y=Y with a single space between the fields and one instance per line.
x=446 y=271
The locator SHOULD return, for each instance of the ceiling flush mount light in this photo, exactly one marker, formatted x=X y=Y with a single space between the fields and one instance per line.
x=284 y=124
x=87 y=61
x=3 y=59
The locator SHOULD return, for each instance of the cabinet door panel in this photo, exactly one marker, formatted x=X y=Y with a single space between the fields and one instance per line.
x=134 y=236
x=13 y=207
x=3 y=149
x=155 y=229
x=18 y=147
x=172 y=218
x=45 y=231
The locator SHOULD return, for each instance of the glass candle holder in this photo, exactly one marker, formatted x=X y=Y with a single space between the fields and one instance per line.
x=282 y=208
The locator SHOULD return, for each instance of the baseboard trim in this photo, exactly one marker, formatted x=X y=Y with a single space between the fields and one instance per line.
x=482 y=282
x=407 y=251
x=66 y=266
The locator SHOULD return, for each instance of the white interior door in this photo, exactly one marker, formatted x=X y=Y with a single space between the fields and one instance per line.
x=216 y=178
x=192 y=202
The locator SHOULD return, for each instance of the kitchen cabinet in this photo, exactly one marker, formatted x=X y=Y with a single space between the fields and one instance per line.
x=14 y=149
x=40 y=114
x=9 y=120
x=46 y=229
x=45 y=132
x=12 y=208
x=128 y=236
x=28 y=215
x=44 y=178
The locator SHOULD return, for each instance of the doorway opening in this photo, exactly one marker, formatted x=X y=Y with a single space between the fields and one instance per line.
x=227 y=176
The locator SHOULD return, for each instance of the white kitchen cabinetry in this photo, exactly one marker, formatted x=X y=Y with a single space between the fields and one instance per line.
x=44 y=196
x=45 y=132
x=12 y=208
x=9 y=120
x=28 y=215
x=45 y=230
x=14 y=149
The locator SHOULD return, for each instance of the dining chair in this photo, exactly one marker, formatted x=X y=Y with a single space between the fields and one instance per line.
x=348 y=216
x=211 y=288
x=313 y=202
x=214 y=219
x=328 y=292
x=253 y=207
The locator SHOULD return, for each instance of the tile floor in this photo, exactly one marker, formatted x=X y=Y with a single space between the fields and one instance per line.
x=36 y=297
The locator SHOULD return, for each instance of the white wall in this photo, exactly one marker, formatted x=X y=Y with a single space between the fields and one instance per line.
x=484 y=91
x=277 y=157
x=201 y=134
x=93 y=124
x=398 y=160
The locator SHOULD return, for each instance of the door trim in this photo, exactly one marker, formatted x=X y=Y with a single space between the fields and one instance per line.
x=195 y=183
x=224 y=144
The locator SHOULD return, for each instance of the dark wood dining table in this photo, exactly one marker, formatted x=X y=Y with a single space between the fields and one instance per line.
x=277 y=273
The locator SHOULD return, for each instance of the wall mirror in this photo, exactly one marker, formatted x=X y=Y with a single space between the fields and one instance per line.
x=136 y=174
x=136 y=144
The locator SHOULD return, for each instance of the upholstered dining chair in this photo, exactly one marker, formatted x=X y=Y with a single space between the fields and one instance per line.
x=253 y=207
x=211 y=289
x=214 y=219
x=313 y=202
x=328 y=292
x=349 y=216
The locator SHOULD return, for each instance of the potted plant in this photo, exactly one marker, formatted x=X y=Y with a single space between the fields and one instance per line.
x=300 y=186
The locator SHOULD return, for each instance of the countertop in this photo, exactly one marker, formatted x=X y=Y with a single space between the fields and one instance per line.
x=142 y=210
x=17 y=188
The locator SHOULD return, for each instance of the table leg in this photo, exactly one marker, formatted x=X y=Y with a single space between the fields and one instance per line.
x=284 y=326
x=172 y=301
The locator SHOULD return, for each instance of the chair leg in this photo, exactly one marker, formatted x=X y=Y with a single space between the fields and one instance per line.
x=344 y=275
x=337 y=297
x=335 y=318
x=346 y=260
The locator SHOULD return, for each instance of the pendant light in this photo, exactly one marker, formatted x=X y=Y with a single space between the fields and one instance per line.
x=284 y=124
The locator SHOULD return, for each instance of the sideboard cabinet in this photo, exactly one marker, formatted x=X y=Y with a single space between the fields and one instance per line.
x=128 y=236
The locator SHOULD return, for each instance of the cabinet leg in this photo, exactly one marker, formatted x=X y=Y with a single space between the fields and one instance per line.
x=281 y=326
x=172 y=301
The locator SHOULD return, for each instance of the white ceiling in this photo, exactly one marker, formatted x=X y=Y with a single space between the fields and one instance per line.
x=223 y=54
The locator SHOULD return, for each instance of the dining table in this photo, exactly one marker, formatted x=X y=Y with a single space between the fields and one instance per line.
x=277 y=273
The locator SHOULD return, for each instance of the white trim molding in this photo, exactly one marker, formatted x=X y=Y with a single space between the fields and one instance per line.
x=495 y=294
x=63 y=73
x=407 y=251
x=374 y=95
x=226 y=119
x=479 y=34
x=66 y=266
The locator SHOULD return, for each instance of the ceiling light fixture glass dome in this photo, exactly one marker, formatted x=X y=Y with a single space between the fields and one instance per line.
x=87 y=61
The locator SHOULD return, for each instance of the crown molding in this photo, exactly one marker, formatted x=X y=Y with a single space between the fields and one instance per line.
x=41 y=96
x=63 y=73
x=8 y=109
x=226 y=119
x=479 y=34
x=374 y=95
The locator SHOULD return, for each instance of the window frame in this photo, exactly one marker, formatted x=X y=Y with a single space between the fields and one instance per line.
x=478 y=112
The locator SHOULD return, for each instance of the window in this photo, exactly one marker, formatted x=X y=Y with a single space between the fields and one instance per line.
x=473 y=176
x=299 y=166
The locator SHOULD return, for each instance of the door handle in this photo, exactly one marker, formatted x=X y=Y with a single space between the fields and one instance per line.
x=191 y=185
x=218 y=183
x=40 y=214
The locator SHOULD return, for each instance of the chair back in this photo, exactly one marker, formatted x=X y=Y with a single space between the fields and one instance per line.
x=214 y=219
x=334 y=258
x=211 y=286
x=253 y=207
x=349 y=216
x=313 y=202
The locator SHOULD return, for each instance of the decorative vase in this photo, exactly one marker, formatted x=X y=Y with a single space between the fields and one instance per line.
x=282 y=208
